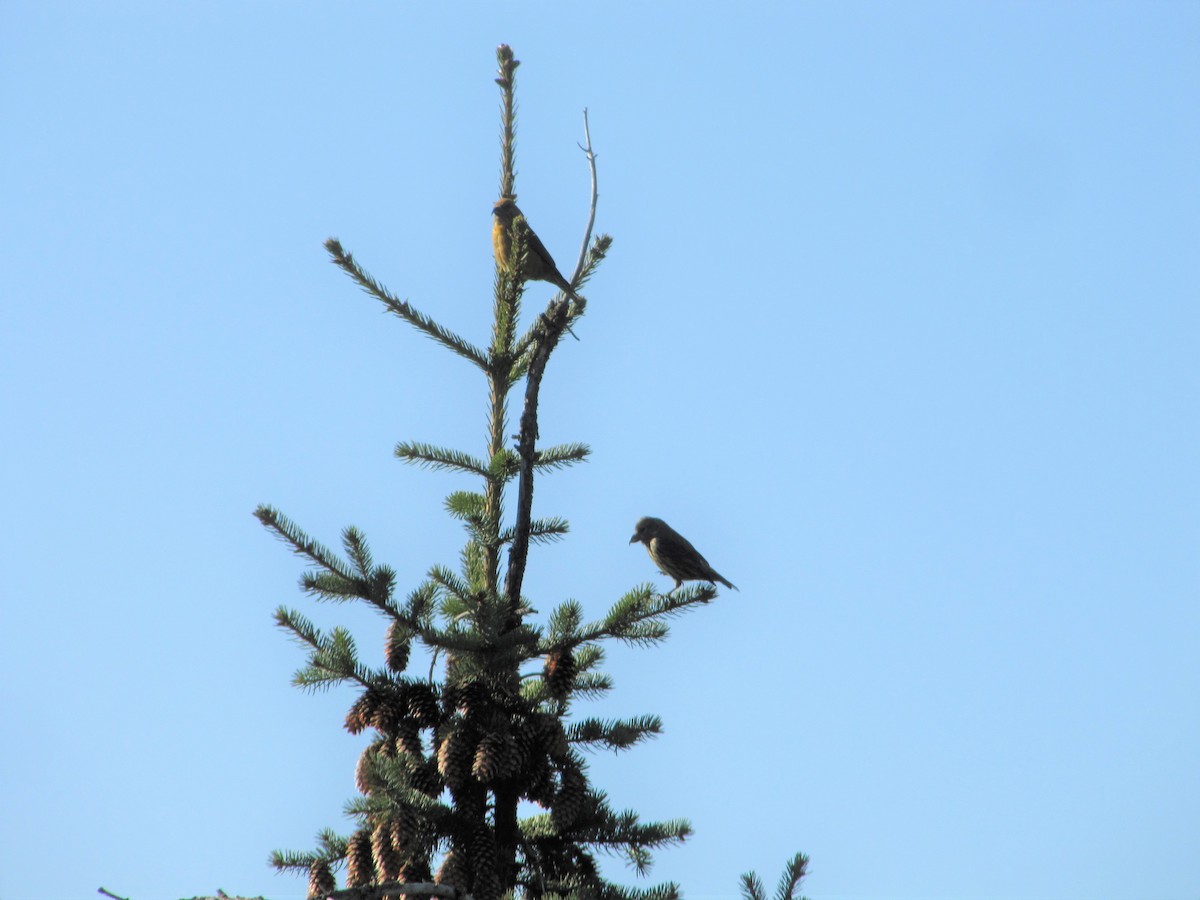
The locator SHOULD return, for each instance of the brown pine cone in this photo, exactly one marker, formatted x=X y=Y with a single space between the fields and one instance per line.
x=387 y=860
x=360 y=866
x=320 y=880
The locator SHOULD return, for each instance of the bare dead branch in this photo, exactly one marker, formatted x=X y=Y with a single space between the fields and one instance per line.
x=545 y=337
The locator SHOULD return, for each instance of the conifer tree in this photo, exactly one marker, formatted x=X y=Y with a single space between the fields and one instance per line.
x=462 y=753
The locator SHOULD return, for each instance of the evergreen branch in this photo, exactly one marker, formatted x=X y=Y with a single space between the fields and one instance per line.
x=376 y=589
x=334 y=662
x=293 y=860
x=613 y=834
x=592 y=685
x=333 y=845
x=466 y=505
x=332 y=658
x=301 y=627
x=483 y=564
x=539 y=827
x=636 y=617
x=454 y=608
x=562 y=626
x=358 y=551
x=561 y=456
x=399 y=794
x=522 y=350
x=542 y=531
x=480 y=556
x=440 y=458
x=332 y=850
x=611 y=830
x=588 y=657
x=614 y=734
x=520 y=368
x=793 y=874
x=402 y=308
x=332 y=586
x=752 y=887
x=645 y=634
x=504 y=465
x=587 y=686
x=508 y=117
x=418 y=610
x=508 y=290
x=314 y=678
x=301 y=543
x=596 y=255
x=380 y=587
x=451 y=583
x=640 y=859
x=342 y=652
x=452 y=640
x=667 y=891
x=393 y=889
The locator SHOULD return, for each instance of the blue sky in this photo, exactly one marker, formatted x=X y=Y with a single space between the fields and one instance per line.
x=899 y=328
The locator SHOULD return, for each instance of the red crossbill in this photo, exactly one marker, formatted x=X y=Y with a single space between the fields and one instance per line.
x=539 y=264
x=673 y=554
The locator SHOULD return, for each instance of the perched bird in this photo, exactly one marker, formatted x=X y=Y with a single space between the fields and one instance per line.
x=539 y=264
x=673 y=554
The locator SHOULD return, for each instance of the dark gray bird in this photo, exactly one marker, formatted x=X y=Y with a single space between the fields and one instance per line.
x=673 y=554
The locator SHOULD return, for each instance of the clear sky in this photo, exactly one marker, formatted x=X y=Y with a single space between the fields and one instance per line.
x=899 y=327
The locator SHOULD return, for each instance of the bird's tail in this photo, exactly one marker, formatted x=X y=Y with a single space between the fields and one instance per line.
x=563 y=285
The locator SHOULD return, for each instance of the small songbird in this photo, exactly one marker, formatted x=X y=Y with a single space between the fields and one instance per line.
x=673 y=554
x=539 y=264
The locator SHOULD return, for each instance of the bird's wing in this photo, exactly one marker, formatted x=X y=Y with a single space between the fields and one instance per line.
x=535 y=245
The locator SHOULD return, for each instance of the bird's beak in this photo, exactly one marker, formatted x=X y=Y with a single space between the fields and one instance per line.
x=633 y=540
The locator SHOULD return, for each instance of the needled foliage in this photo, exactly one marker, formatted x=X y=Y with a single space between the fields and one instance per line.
x=476 y=774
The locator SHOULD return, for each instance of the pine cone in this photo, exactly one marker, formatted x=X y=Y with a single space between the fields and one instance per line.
x=486 y=762
x=570 y=800
x=360 y=868
x=526 y=741
x=403 y=825
x=422 y=704
x=361 y=712
x=423 y=775
x=387 y=715
x=415 y=872
x=320 y=880
x=539 y=782
x=552 y=736
x=387 y=860
x=495 y=758
x=483 y=857
x=408 y=738
x=456 y=753
x=364 y=779
x=483 y=847
x=399 y=642
x=474 y=699
x=559 y=673
x=587 y=865
x=453 y=871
